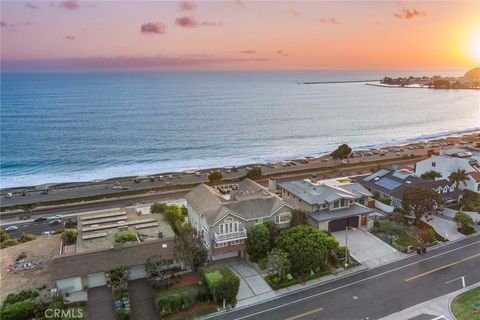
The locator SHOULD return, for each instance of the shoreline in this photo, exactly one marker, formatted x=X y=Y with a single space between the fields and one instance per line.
x=414 y=86
x=452 y=138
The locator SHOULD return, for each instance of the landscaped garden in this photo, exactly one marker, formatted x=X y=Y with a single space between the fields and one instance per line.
x=466 y=306
x=294 y=255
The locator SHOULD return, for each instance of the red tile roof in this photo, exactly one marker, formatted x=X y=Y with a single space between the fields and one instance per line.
x=475 y=175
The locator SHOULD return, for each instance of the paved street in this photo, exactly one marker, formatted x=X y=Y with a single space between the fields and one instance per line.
x=377 y=292
x=366 y=248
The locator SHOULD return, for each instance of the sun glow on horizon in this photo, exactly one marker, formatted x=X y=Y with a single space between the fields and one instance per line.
x=474 y=49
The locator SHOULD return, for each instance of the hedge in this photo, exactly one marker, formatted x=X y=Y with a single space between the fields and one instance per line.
x=223 y=285
x=17 y=311
x=19 y=297
x=175 y=300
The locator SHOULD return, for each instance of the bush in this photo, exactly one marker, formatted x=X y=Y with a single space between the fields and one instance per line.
x=215 y=176
x=69 y=236
x=427 y=235
x=56 y=305
x=178 y=299
x=21 y=256
x=223 y=285
x=262 y=263
x=307 y=248
x=258 y=242
x=71 y=223
x=125 y=236
x=122 y=314
x=254 y=173
x=26 y=237
x=158 y=207
x=18 y=311
x=8 y=243
x=376 y=224
x=23 y=295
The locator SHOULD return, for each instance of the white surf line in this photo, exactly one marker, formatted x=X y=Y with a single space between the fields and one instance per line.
x=352 y=283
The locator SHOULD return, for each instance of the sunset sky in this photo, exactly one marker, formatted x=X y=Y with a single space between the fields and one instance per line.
x=233 y=35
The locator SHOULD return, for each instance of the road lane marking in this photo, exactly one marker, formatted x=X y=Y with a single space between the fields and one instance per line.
x=301 y=315
x=346 y=285
x=463 y=281
x=441 y=268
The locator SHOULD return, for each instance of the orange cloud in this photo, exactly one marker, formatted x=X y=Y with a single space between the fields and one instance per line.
x=153 y=27
x=212 y=24
x=187 y=6
x=410 y=14
x=329 y=21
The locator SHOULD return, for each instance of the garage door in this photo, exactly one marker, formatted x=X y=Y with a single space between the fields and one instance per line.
x=96 y=280
x=137 y=272
x=225 y=255
x=70 y=284
x=341 y=224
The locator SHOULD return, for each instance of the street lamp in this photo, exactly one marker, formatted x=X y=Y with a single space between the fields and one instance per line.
x=347 y=259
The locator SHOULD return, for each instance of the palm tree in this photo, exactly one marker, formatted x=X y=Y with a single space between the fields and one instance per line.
x=431 y=175
x=459 y=176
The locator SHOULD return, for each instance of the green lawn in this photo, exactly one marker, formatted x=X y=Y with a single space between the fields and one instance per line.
x=463 y=305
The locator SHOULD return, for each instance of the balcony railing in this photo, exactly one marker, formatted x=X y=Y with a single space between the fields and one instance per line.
x=237 y=235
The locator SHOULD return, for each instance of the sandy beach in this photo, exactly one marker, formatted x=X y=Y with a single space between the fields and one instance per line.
x=172 y=180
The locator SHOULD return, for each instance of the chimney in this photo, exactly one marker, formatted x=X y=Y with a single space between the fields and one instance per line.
x=272 y=185
x=313 y=178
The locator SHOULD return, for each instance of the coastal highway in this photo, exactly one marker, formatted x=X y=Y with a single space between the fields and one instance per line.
x=378 y=292
x=161 y=182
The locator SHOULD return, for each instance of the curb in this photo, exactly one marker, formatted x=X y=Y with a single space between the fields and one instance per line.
x=470 y=287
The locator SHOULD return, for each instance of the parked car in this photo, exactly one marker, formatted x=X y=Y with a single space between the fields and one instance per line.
x=56 y=221
x=39 y=219
x=47 y=233
x=124 y=188
x=58 y=216
x=11 y=228
x=9 y=195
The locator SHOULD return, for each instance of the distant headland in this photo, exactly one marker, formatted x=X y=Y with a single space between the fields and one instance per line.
x=470 y=80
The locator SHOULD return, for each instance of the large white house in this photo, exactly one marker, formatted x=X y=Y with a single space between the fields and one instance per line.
x=451 y=160
x=332 y=204
x=223 y=220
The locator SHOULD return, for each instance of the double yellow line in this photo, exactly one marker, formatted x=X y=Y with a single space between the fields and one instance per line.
x=301 y=315
x=442 y=267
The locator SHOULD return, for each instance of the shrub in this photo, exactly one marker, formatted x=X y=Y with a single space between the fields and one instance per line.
x=258 y=242
x=427 y=235
x=465 y=223
x=122 y=314
x=215 y=176
x=26 y=237
x=8 y=243
x=21 y=256
x=277 y=263
x=158 y=207
x=71 y=223
x=125 y=236
x=307 y=248
x=69 y=236
x=223 y=285
x=119 y=276
x=254 y=173
x=262 y=263
x=18 y=311
x=56 y=305
x=178 y=299
x=376 y=224
x=173 y=215
x=23 y=295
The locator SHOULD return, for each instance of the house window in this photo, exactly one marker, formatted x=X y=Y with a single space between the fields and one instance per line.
x=433 y=164
x=236 y=242
x=221 y=245
x=283 y=218
x=258 y=221
x=335 y=204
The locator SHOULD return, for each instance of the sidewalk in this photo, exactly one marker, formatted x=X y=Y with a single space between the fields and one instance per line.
x=438 y=308
x=445 y=227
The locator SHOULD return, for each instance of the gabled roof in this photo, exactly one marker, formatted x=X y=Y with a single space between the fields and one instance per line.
x=325 y=191
x=249 y=201
x=391 y=182
x=475 y=176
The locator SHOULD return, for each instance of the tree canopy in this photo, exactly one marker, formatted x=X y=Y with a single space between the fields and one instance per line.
x=278 y=263
x=307 y=248
x=342 y=152
x=299 y=217
x=215 y=176
x=421 y=201
x=459 y=177
x=431 y=175
x=258 y=242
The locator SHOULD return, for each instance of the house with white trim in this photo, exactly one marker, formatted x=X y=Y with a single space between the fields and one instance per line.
x=332 y=204
x=223 y=220
x=451 y=160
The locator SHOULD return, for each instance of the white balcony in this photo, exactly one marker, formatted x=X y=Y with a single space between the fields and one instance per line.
x=231 y=236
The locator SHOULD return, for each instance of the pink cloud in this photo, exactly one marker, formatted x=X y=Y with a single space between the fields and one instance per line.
x=248 y=51
x=70 y=38
x=3 y=24
x=282 y=53
x=241 y=3
x=410 y=14
x=330 y=21
x=212 y=23
x=187 y=6
x=153 y=27
x=187 y=22
x=69 y=4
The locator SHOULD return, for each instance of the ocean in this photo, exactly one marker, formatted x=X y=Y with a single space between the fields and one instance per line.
x=60 y=127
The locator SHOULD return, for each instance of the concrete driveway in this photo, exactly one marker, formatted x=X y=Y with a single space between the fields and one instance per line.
x=253 y=288
x=445 y=227
x=367 y=249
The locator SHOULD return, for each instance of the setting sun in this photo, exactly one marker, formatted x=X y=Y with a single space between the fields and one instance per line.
x=474 y=49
